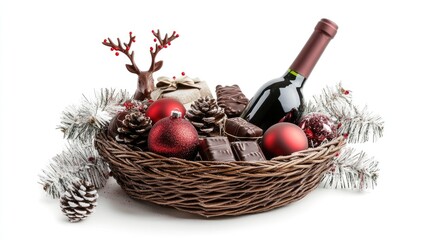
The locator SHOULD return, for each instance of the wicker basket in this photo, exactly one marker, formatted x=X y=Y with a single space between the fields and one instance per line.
x=216 y=188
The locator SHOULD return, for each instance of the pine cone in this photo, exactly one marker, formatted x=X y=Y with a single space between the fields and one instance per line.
x=134 y=128
x=205 y=115
x=79 y=200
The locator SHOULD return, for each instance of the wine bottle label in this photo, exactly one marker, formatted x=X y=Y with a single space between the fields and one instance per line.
x=293 y=72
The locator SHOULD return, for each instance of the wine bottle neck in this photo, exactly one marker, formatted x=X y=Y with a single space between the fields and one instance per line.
x=304 y=63
x=294 y=78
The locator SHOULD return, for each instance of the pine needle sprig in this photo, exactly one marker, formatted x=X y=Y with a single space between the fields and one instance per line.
x=359 y=124
x=82 y=122
x=77 y=161
x=351 y=170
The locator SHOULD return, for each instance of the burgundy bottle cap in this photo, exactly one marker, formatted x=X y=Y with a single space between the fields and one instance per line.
x=327 y=26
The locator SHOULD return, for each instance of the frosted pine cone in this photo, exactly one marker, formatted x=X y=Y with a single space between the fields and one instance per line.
x=206 y=115
x=79 y=201
x=133 y=128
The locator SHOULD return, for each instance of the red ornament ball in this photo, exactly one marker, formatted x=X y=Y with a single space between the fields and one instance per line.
x=282 y=139
x=174 y=137
x=318 y=128
x=162 y=108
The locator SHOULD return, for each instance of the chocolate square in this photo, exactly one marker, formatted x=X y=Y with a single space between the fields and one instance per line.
x=238 y=129
x=247 y=151
x=216 y=149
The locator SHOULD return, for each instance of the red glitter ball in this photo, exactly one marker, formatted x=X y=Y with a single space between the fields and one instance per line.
x=177 y=35
x=318 y=128
x=117 y=53
x=105 y=40
x=134 y=39
x=151 y=49
x=153 y=31
x=154 y=39
x=183 y=73
x=131 y=33
x=111 y=49
x=169 y=43
x=174 y=137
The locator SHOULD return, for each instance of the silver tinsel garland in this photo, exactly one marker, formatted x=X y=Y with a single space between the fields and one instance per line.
x=350 y=171
x=355 y=171
x=79 y=161
x=82 y=122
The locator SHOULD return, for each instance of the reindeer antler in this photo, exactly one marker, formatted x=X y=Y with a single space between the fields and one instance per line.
x=163 y=43
x=145 y=81
x=118 y=47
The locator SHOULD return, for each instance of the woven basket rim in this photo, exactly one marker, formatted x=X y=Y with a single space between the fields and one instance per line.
x=294 y=158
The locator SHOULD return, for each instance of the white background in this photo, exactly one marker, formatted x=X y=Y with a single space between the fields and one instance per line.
x=51 y=53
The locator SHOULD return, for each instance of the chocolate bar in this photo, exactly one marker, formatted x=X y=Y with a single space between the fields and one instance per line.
x=247 y=151
x=238 y=129
x=216 y=149
x=231 y=99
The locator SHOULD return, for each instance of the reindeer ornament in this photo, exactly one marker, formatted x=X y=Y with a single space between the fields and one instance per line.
x=145 y=83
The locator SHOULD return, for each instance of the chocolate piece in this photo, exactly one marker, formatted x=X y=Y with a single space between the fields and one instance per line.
x=231 y=99
x=238 y=129
x=216 y=149
x=247 y=151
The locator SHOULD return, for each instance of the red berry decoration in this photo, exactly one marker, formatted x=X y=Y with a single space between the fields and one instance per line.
x=318 y=128
x=174 y=137
x=282 y=139
x=162 y=108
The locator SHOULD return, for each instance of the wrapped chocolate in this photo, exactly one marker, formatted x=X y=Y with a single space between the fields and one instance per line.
x=216 y=149
x=231 y=99
x=247 y=151
x=185 y=89
x=238 y=129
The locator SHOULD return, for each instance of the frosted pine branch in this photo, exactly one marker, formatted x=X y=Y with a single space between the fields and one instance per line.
x=83 y=121
x=359 y=124
x=354 y=171
x=77 y=161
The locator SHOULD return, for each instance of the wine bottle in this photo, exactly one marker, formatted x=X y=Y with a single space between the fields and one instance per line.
x=281 y=100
